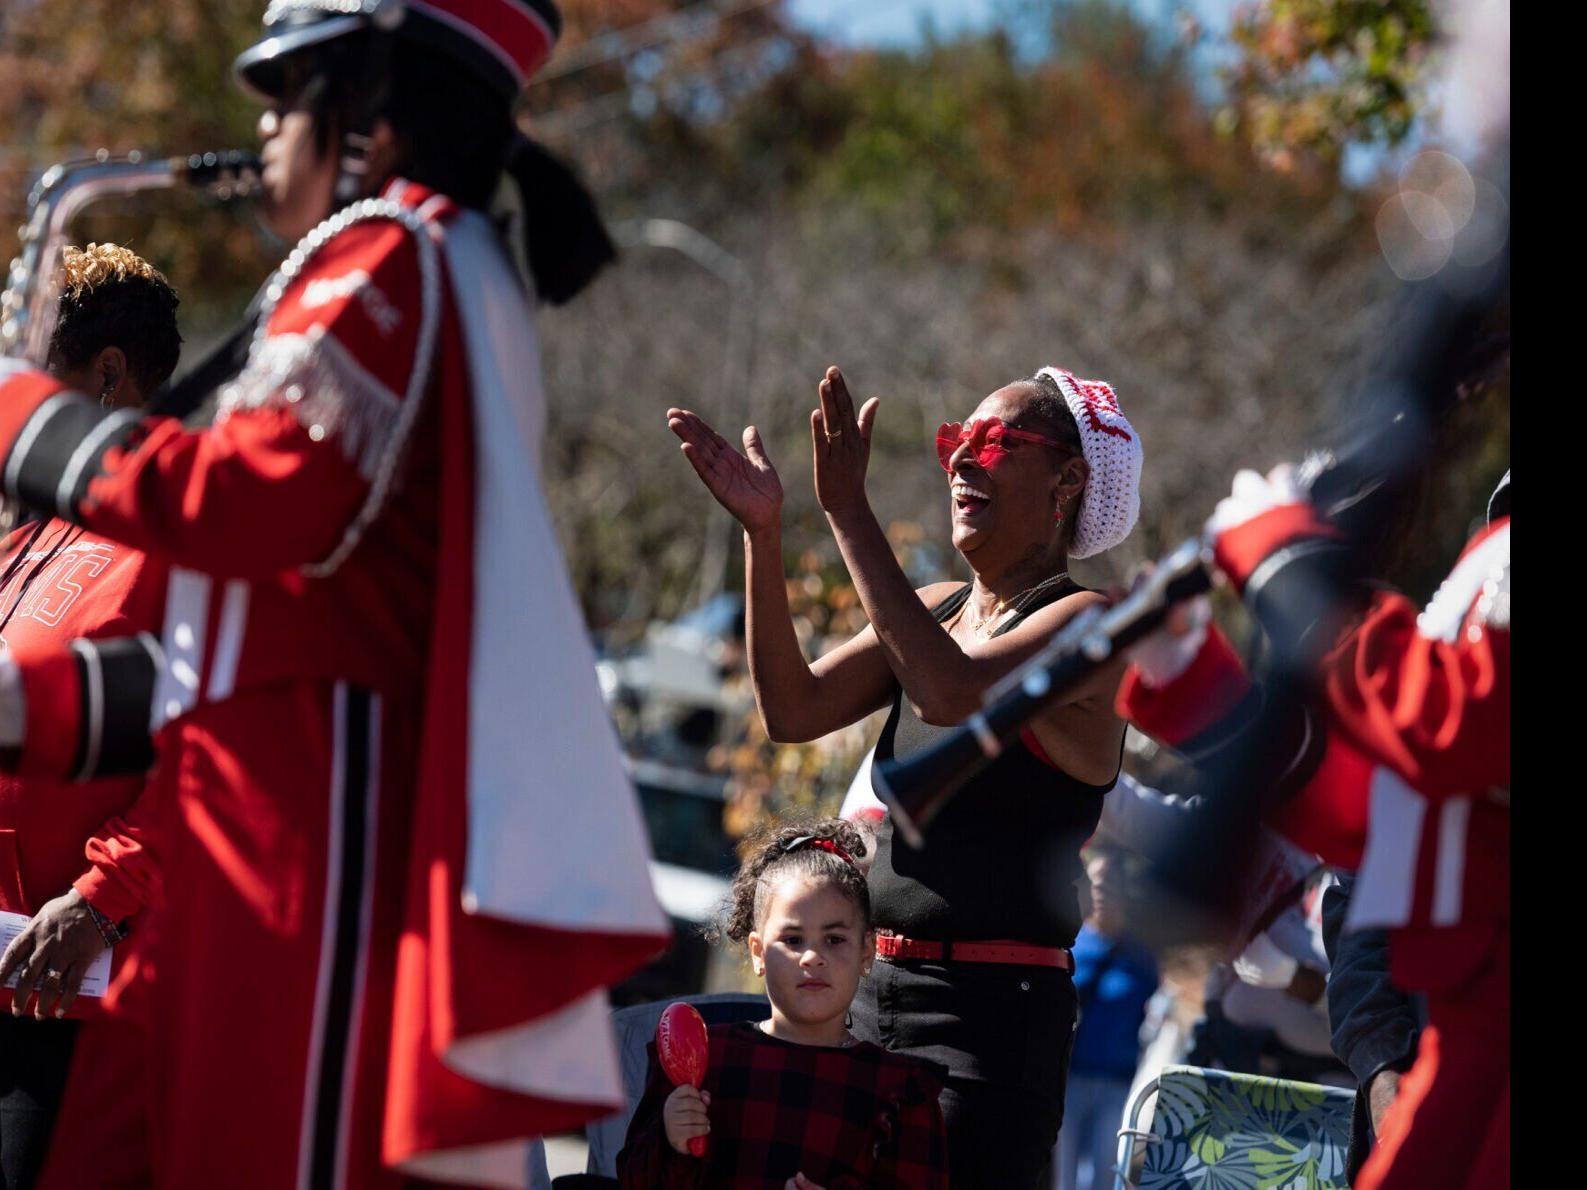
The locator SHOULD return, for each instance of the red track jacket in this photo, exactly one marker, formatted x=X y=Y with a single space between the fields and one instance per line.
x=61 y=583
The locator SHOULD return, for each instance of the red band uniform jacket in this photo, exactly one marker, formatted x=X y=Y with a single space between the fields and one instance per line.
x=1411 y=773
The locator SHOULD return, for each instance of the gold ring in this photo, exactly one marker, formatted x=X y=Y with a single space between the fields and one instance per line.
x=831 y=434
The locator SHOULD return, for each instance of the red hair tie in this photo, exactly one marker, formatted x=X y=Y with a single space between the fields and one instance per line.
x=819 y=843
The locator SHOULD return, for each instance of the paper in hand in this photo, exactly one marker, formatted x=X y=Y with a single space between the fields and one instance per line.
x=94 y=983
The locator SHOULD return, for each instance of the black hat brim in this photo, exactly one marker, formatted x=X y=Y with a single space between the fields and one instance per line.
x=259 y=67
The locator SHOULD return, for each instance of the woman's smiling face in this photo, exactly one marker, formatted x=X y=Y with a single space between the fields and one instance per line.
x=1011 y=500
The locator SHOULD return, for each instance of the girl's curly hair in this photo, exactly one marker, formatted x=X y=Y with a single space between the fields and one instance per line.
x=778 y=854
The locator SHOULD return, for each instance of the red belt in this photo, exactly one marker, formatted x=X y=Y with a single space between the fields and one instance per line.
x=894 y=947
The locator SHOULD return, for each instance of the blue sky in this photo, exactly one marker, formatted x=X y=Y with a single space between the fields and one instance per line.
x=899 y=22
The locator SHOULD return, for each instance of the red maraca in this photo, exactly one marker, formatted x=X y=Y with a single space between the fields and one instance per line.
x=682 y=1045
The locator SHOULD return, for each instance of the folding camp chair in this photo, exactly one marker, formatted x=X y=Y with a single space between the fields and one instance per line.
x=1211 y=1128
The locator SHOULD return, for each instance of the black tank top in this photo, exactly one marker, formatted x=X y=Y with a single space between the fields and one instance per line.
x=1002 y=858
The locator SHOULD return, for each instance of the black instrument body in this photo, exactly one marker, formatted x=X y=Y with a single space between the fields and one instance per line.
x=917 y=788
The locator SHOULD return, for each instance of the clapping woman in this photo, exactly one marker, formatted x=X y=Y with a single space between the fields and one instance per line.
x=974 y=928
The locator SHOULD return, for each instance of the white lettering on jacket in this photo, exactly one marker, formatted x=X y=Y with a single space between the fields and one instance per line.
x=325 y=290
x=50 y=593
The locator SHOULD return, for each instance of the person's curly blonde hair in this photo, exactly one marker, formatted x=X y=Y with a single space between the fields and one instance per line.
x=112 y=297
x=88 y=268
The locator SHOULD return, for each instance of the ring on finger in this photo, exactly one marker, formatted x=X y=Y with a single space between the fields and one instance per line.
x=833 y=435
x=53 y=977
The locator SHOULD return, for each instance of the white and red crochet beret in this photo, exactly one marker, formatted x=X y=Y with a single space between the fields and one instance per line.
x=1111 y=502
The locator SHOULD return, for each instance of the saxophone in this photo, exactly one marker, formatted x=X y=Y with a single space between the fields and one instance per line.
x=28 y=306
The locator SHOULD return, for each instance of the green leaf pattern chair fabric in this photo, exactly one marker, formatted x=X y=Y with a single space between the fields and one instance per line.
x=1213 y=1130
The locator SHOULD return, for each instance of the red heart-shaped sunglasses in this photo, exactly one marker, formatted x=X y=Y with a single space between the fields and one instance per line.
x=988 y=438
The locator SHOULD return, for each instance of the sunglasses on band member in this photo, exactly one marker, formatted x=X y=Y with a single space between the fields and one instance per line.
x=989 y=440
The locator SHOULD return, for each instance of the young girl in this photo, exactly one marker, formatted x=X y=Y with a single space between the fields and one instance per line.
x=795 y=1101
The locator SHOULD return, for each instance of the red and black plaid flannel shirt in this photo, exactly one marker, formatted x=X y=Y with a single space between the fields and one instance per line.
x=848 y=1119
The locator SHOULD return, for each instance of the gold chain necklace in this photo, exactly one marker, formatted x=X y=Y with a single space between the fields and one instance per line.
x=1016 y=604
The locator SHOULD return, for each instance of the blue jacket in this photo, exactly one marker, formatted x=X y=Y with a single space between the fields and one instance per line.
x=1114 y=978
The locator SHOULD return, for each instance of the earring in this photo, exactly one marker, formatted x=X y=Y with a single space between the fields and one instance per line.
x=1058 y=514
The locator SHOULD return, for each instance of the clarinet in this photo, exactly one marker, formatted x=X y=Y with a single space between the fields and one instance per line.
x=916 y=790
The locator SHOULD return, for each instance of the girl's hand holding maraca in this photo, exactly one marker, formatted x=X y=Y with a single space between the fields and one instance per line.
x=682 y=1045
x=684 y=1118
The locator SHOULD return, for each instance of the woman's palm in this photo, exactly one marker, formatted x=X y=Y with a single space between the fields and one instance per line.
x=745 y=484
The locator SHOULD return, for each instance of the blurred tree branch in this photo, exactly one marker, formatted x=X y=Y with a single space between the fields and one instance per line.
x=153 y=76
x=1314 y=76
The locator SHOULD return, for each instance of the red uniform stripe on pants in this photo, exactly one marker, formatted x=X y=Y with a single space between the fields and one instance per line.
x=1449 y=1126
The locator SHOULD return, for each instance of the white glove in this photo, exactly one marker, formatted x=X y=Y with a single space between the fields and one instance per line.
x=1262 y=964
x=1252 y=495
x=1168 y=652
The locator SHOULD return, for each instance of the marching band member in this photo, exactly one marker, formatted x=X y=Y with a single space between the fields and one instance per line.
x=382 y=933
x=115 y=337
x=1409 y=779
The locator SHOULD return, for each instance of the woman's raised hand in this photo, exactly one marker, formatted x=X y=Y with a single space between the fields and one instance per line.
x=744 y=484
x=841 y=443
